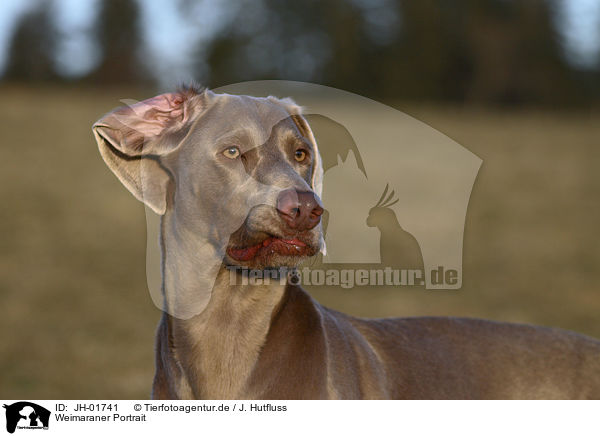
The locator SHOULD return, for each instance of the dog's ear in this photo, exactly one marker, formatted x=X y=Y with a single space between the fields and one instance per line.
x=133 y=138
x=295 y=111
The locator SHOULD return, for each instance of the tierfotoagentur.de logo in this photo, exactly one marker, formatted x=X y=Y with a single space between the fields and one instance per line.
x=25 y=415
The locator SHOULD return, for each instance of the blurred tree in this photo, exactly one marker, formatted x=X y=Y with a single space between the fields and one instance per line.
x=118 y=34
x=484 y=51
x=268 y=39
x=487 y=51
x=430 y=58
x=516 y=54
x=32 y=47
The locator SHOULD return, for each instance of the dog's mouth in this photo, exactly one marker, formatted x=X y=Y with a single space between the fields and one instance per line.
x=270 y=246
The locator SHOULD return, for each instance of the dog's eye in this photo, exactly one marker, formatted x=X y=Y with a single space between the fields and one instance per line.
x=300 y=155
x=232 y=152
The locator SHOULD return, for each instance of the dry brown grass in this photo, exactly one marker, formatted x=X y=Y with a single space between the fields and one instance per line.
x=77 y=320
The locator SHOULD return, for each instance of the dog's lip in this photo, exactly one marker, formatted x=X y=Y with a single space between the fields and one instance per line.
x=293 y=241
x=274 y=244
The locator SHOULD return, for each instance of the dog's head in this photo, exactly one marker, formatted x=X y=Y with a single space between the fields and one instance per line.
x=240 y=173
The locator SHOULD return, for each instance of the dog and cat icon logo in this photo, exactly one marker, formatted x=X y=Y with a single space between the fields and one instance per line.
x=26 y=415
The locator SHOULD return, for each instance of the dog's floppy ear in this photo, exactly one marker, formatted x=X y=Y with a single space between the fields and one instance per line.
x=132 y=139
x=295 y=111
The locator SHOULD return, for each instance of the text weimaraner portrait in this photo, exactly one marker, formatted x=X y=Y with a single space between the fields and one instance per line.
x=236 y=181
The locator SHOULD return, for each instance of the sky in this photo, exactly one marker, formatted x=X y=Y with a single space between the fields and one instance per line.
x=579 y=22
x=169 y=37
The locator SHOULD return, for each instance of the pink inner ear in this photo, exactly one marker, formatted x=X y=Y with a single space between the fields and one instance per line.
x=164 y=110
x=150 y=117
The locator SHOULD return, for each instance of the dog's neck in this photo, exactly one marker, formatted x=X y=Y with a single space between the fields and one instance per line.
x=222 y=344
x=217 y=348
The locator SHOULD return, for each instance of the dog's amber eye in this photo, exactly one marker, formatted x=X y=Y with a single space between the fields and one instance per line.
x=300 y=155
x=232 y=152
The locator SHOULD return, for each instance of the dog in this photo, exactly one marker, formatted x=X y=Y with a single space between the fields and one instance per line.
x=236 y=181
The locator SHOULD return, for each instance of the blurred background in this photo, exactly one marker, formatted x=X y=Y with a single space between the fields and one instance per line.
x=515 y=82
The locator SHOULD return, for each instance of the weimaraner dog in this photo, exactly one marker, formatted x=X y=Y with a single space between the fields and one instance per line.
x=236 y=180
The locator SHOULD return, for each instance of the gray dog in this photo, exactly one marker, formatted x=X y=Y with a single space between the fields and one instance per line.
x=236 y=180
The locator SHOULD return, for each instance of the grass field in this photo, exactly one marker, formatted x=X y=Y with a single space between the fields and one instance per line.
x=77 y=320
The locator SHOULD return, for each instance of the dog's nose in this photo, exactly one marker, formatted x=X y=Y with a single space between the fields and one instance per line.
x=300 y=210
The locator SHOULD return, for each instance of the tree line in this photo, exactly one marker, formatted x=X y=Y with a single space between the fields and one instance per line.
x=501 y=52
